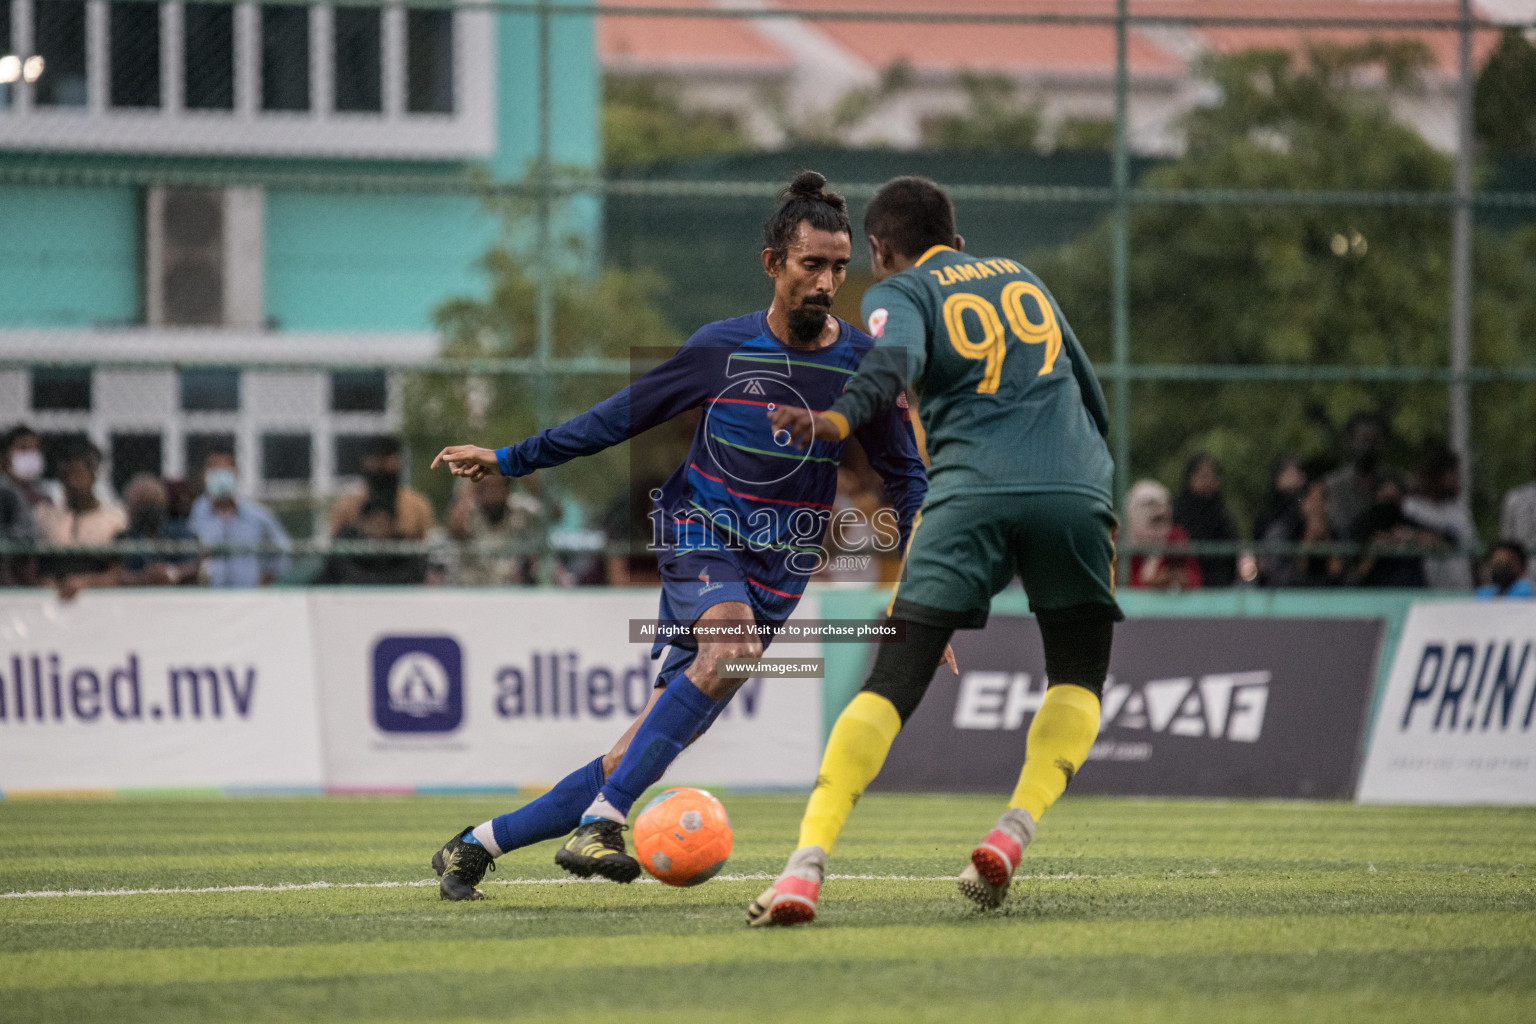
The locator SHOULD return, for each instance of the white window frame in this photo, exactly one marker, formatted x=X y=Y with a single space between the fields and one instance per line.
x=467 y=133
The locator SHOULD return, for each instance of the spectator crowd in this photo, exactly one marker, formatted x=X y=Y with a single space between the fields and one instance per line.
x=1358 y=523
x=206 y=531
x=1362 y=523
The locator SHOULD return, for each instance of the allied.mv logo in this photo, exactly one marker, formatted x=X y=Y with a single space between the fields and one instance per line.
x=418 y=684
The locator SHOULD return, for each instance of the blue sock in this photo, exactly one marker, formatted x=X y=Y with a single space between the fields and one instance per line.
x=680 y=711
x=552 y=815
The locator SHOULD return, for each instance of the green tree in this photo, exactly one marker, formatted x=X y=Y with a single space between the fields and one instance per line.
x=994 y=118
x=1505 y=99
x=611 y=314
x=645 y=121
x=1254 y=284
x=1085 y=134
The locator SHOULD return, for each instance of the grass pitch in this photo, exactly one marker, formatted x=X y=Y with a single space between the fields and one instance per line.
x=1129 y=911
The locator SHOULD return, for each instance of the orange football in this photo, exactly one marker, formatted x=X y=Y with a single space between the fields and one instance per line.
x=683 y=837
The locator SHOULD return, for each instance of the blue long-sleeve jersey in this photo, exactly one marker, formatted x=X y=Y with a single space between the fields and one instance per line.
x=743 y=490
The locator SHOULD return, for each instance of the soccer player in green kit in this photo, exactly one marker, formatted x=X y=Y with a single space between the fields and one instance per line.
x=1019 y=485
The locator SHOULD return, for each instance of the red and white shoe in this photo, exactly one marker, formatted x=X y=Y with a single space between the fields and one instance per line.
x=986 y=879
x=792 y=899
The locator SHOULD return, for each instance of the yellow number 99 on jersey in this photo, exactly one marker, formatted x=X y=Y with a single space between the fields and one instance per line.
x=1047 y=332
x=992 y=346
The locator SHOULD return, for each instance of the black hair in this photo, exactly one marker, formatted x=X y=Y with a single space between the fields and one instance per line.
x=382 y=447
x=1511 y=545
x=219 y=449
x=1363 y=417
x=15 y=434
x=807 y=200
x=1436 y=460
x=911 y=215
x=79 y=450
x=1278 y=464
x=1194 y=462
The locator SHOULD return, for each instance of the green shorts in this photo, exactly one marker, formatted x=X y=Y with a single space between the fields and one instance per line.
x=968 y=547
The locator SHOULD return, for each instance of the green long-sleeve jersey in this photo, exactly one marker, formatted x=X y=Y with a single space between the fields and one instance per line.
x=1006 y=394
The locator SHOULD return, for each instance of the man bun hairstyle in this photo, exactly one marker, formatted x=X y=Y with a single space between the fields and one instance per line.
x=804 y=199
x=911 y=215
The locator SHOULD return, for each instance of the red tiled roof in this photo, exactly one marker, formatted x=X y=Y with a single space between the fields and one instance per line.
x=684 y=42
x=1046 y=48
x=1444 y=45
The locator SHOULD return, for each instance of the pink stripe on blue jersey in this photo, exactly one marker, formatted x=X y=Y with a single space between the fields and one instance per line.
x=740 y=487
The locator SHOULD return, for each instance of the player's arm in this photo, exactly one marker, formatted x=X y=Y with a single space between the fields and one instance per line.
x=891 y=447
x=896 y=362
x=682 y=382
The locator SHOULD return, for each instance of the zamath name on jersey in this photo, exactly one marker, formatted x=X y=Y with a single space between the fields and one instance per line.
x=958 y=272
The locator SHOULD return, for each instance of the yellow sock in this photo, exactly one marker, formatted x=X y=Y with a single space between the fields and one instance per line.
x=855 y=751
x=1059 y=739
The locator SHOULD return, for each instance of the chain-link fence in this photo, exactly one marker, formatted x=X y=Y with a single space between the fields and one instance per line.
x=258 y=228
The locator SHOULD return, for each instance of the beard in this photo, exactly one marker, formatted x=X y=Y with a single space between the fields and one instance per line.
x=807 y=320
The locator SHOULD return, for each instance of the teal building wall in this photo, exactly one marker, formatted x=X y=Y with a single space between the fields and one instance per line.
x=69 y=257
x=336 y=260
x=346 y=261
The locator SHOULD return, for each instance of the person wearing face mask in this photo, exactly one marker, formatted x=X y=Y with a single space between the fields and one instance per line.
x=1353 y=486
x=1505 y=572
x=16 y=569
x=221 y=516
x=382 y=463
x=22 y=465
x=489 y=515
x=147 y=504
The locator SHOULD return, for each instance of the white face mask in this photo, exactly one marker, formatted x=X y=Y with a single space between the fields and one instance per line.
x=27 y=464
x=220 y=483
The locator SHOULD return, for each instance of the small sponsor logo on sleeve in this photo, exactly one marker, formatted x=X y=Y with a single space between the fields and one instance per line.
x=877 y=322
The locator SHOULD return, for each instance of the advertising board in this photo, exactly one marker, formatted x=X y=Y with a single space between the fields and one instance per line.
x=1192 y=707
x=1454 y=725
x=508 y=688
x=175 y=689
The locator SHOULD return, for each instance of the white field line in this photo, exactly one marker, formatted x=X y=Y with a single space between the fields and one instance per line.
x=297 y=886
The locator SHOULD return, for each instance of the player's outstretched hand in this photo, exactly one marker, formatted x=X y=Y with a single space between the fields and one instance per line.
x=949 y=659
x=802 y=425
x=467 y=460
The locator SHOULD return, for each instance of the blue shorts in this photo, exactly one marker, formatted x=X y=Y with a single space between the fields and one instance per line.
x=694 y=582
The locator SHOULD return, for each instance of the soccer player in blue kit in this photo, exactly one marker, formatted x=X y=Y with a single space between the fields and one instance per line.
x=740 y=521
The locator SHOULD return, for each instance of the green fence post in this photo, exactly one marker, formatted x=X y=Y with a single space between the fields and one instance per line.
x=1460 y=400
x=1120 y=287
x=545 y=326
